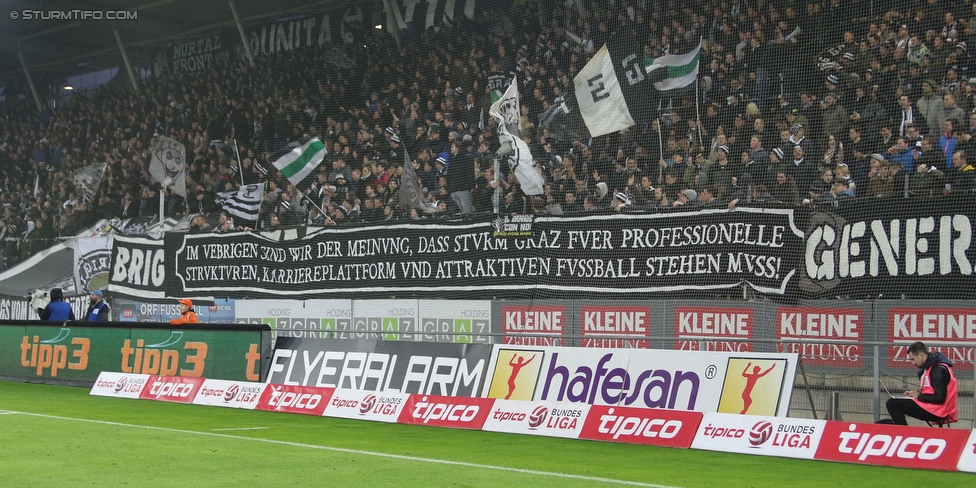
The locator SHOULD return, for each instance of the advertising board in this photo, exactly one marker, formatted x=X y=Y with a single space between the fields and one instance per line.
x=537 y=418
x=757 y=383
x=119 y=385
x=656 y=427
x=892 y=445
x=366 y=405
x=764 y=436
x=381 y=366
x=75 y=351
x=233 y=394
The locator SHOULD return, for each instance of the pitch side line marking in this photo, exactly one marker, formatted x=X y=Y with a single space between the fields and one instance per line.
x=242 y=428
x=354 y=451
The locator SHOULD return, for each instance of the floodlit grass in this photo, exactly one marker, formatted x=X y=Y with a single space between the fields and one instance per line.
x=60 y=436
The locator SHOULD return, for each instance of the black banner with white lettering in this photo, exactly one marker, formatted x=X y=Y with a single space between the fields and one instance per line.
x=430 y=14
x=919 y=248
x=610 y=255
x=206 y=52
x=137 y=267
x=336 y=27
x=922 y=248
x=381 y=366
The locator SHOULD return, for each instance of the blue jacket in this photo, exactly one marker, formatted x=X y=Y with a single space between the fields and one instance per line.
x=98 y=312
x=906 y=158
x=60 y=311
x=948 y=146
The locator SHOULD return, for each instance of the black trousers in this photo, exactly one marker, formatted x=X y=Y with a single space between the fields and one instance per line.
x=898 y=408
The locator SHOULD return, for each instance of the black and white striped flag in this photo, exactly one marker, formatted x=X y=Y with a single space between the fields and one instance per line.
x=244 y=203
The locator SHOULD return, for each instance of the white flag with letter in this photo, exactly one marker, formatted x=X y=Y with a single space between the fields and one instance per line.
x=244 y=203
x=601 y=101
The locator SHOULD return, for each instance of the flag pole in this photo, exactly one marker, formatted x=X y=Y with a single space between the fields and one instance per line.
x=660 y=147
x=240 y=164
x=496 y=195
x=316 y=206
x=701 y=142
x=698 y=114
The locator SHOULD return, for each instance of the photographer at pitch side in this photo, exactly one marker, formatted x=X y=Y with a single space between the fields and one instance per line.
x=936 y=400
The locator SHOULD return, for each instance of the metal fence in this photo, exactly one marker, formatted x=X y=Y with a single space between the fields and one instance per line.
x=819 y=391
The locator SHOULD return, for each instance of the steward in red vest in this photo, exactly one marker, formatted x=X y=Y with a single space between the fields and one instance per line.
x=936 y=399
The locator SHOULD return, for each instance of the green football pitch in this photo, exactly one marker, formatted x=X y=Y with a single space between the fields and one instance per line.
x=61 y=436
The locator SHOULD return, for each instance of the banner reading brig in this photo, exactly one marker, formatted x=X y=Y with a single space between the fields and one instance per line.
x=78 y=352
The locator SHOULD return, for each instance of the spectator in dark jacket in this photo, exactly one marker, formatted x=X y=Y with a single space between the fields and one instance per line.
x=460 y=178
x=58 y=309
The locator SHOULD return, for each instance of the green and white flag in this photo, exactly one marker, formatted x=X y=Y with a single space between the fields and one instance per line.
x=681 y=69
x=301 y=160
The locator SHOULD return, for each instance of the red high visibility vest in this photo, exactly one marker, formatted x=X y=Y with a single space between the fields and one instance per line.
x=947 y=409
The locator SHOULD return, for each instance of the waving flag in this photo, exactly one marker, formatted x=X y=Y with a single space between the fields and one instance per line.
x=301 y=159
x=681 y=70
x=618 y=89
x=411 y=194
x=507 y=113
x=168 y=164
x=244 y=203
x=88 y=178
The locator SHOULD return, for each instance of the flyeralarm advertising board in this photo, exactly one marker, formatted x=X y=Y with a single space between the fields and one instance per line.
x=764 y=436
x=537 y=418
x=755 y=383
x=445 y=411
x=967 y=462
x=656 y=427
x=234 y=394
x=119 y=385
x=381 y=366
x=177 y=389
x=366 y=405
x=892 y=445
x=306 y=400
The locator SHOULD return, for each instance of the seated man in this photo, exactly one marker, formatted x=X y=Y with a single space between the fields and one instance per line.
x=936 y=400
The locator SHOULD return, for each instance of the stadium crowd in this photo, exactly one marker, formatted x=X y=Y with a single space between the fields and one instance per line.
x=802 y=103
